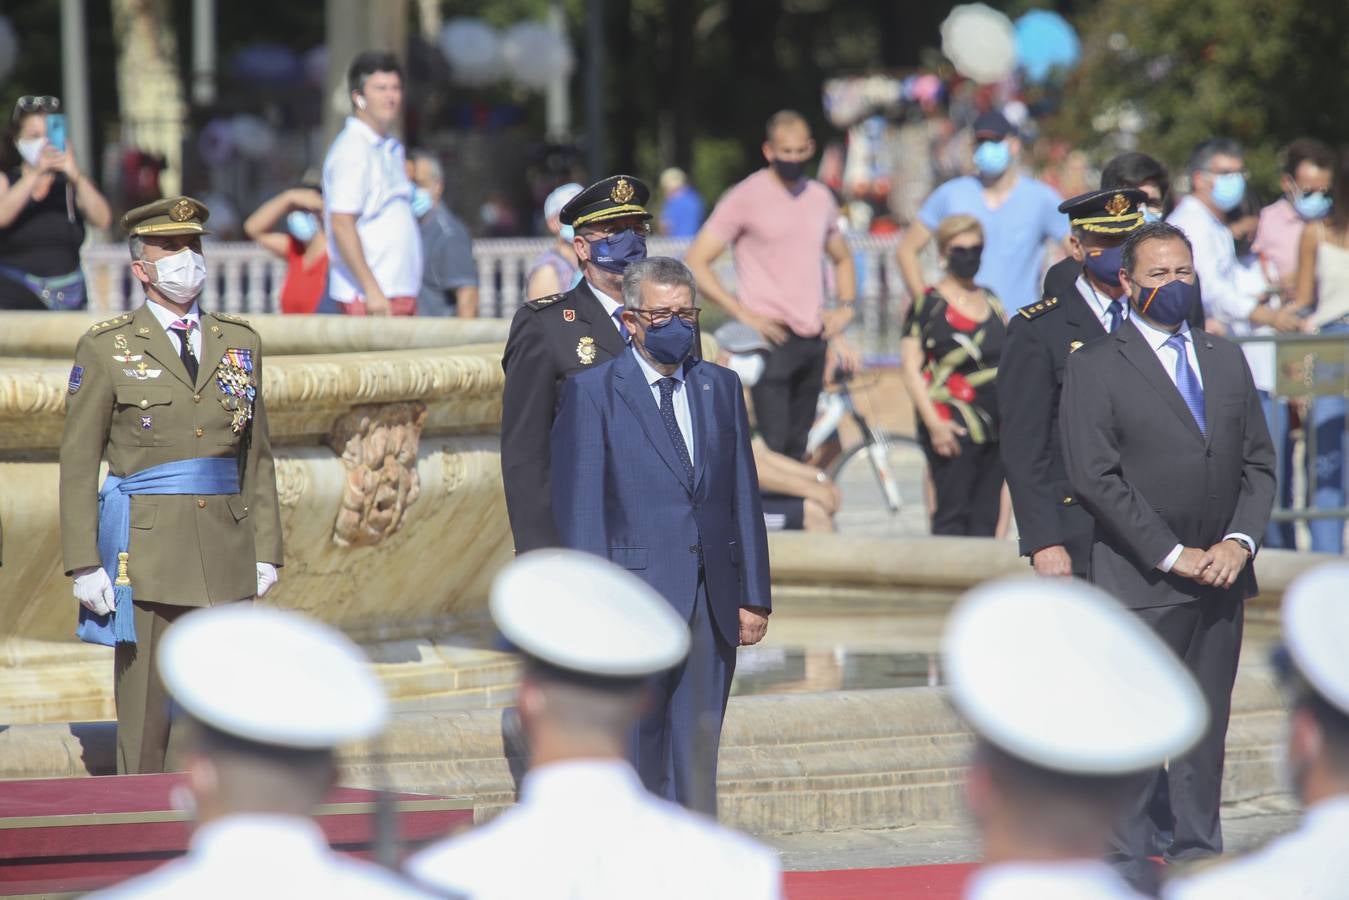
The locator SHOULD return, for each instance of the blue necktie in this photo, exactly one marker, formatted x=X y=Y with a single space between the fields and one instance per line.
x=622 y=328
x=1188 y=383
x=1115 y=311
x=667 y=414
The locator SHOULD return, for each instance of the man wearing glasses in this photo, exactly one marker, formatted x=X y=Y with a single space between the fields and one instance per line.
x=653 y=470
x=555 y=337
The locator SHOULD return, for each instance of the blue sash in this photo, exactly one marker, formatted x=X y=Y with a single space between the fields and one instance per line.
x=213 y=475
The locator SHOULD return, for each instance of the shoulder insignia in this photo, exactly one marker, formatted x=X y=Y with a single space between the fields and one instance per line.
x=110 y=323
x=541 y=302
x=1038 y=309
x=236 y=320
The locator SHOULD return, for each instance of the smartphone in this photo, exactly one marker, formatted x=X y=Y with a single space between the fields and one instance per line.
x=56 y=131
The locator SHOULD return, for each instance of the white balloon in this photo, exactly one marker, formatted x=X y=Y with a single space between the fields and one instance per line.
x=9 y=47
x=473 y=50
x=980 y=42
x=253 y=137
x=535 y=55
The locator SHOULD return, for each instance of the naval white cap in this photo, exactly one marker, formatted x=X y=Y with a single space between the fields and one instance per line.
x=1060 y=675
x=584 y=614
x=271 y=676
x=1316 y=630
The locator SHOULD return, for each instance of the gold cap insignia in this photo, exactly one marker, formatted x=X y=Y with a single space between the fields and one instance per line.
x=1117 y=205
x=622 y=192
x=182 y=211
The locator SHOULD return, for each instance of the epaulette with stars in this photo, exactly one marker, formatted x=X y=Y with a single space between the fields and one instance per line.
x=110 y=323
x=541 y=302
x=236 y=320
x=1039 y=309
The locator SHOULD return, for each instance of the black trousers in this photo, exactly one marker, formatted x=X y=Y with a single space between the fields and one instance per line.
x=788 y=391
x=968 y=486
x=1206 y=636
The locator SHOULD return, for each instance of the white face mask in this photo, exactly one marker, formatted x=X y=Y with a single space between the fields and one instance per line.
x=30 y=149
x=749 y=366
x=180 y=276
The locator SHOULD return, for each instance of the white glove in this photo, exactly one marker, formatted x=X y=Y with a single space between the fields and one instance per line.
x=94 y=591
x=266 y=578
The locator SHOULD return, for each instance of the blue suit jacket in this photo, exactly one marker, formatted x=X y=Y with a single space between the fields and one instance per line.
x=619 y=490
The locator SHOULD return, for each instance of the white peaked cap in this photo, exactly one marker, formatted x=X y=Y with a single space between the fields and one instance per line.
x=271 y=676
x=1316 y=630
x=582 y=613
x=1059 y=674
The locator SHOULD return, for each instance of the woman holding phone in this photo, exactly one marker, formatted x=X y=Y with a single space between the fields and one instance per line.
x=45 y=202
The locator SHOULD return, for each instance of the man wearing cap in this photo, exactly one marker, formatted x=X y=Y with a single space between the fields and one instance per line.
x=554 y=337
x=1065 y=730
x=653 y=470
x=1083 y=300
x=584 y=826
x=267 y=695
x=188 y=514
x=1165 y=444
x=1019 y=214
x=1311 y=862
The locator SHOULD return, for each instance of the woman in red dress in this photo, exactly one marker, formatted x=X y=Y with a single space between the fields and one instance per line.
x=302 y=245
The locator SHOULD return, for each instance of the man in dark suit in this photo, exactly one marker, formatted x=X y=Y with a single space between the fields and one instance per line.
x=1166 y=446
x=554 y=337
x=652 y=469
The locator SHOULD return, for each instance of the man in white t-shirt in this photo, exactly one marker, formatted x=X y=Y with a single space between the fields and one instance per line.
x=376 y=255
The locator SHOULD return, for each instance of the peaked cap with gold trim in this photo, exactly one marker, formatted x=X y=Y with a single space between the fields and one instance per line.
x=170 y=216
x=615 y=197
x=1114 y=211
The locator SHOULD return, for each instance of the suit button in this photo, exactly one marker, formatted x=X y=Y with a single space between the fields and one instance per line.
x=201 y=504
x=196 y=398
x=200 y=431
x=145 y=404
x=693 y=548
x=1067 y=500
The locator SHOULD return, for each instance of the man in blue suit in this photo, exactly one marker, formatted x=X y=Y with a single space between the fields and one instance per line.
x=652 y=469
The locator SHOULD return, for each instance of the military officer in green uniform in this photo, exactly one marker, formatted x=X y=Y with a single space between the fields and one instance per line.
x=554 y=337
x=171 y=397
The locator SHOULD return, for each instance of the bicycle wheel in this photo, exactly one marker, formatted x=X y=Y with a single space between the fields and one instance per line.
x=865 y=510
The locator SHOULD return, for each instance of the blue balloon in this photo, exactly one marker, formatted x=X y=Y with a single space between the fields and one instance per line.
x=1045 y=41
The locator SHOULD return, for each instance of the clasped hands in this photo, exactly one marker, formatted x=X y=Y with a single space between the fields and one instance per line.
x=1218 y=566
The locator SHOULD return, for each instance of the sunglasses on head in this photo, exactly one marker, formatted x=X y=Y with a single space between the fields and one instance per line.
x=30 y=104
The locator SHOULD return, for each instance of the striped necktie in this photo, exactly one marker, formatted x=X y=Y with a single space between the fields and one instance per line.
x=184 y=328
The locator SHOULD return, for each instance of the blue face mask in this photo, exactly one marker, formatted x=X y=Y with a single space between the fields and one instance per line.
x=1103 y=263
x=671 y=343
x=992 y=158
x=1228 y=190
x=421 y=201
x=1168 y=304
x=615 y=252
x=1149 y=215
x=1312 y=206
x=302 y=225
x=566 y=232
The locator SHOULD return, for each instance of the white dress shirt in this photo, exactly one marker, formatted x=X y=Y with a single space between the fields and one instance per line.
x=680 y=400
x=1168 y=356
x=588 y=830
x=1071 y=880
x=166 y=317
x=1100 y=303
x=364 y=176
x=610 y=305
x=258 y=857
x=1215 y=262
x=1312 y=863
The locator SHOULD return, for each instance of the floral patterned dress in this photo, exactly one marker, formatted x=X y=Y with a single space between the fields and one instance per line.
x=960 y=361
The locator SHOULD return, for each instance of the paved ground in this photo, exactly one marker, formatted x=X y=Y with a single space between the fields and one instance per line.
x=1245 y=825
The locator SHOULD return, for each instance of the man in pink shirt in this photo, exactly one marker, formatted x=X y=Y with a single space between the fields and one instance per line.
x=780 y=226
x=1308 y=165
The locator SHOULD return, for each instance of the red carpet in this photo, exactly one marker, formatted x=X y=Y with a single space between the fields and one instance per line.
x=943 y=882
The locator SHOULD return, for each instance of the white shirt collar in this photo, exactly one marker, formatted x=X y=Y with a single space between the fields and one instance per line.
x=370 y=134
x=609 y=303
x=248 y=835
x=166 y=317
x=652 y=376
x=576 y=783
x=1156 y=337
x=1077 y=878
x=1100 y=302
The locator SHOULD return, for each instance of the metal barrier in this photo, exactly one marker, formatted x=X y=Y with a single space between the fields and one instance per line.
x=244 y=278
x=1311 y=375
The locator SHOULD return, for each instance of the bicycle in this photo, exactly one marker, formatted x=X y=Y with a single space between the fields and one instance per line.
x=896 y=462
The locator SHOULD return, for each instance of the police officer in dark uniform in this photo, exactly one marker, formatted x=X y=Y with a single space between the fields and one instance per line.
x=557 y=336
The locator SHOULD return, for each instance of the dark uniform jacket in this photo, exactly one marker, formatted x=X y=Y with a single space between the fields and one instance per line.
x=1030 y=377
x=132 y=403
x=551 y=339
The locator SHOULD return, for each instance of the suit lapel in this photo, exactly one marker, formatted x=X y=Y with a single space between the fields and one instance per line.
x=1079 y=315
x=157 y=344
x=212 y=349
x=636 y=393
x=1135 y=348
x=1203 y=352
x=591 y=311
x=702 y=394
